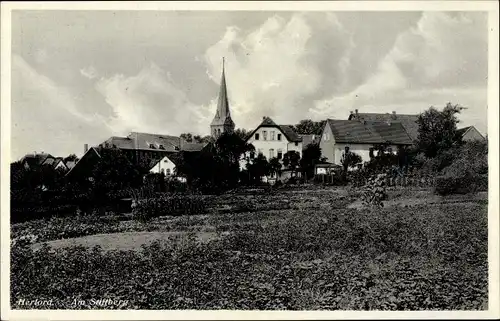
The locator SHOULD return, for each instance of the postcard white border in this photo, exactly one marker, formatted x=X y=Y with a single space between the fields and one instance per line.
x=493 y=131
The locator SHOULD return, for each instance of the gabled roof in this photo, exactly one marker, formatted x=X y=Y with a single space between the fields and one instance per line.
x=462 y=131
x=358 y=132
x=287 y=130
x=36 y=159
x=409 y=121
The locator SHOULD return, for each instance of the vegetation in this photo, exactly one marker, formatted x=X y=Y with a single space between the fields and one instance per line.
x=302 y=258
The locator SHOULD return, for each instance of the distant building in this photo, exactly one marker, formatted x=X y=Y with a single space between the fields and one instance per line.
x=272 y=140
x=408 y=121
x=470 y=133
x=360 y=137
x=36 y=159
x=164 y=165
x=222 y=122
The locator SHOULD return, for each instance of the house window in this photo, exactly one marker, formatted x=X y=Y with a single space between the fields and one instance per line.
x=347 y=149
x=271 y=153
x=296 y=144
x=176 y=147
x=272 y=135
x=264 y=134
x=162 y=171
x=165 y=161
x=168 y=171
x=280 y=153
x=252 y=155
x=257 y=136
x=279 y=136
x=152 y=146
x=161 y=147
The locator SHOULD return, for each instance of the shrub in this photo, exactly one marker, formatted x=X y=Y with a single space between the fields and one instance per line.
x=375 y=191
x=168 y=205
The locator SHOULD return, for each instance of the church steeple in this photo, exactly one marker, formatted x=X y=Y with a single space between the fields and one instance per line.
x=222 y=121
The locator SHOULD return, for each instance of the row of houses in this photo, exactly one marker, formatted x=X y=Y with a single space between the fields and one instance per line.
x=359 y=133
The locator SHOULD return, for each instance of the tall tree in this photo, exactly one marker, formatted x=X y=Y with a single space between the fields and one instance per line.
x=242 y=133
x=437 y=130
x=291 y=160
x=310 y=157
x=310 y=127
x=275 y=166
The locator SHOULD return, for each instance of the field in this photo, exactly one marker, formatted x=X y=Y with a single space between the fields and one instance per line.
x=315 y=249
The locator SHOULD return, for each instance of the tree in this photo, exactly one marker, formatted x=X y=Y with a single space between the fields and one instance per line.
x=438 y=130
x=349 y=159
x=70 y=158
x=291 y=159
x=258 y=168
x=242 y=133
x=310 y=157
x=275 y=166
x=309 y=127
x=188 y=137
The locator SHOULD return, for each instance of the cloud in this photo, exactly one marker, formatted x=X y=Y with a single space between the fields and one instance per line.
x=273 y=69
x=150 y=102
x=45 y=115
x=441 y=59
x=89 y=72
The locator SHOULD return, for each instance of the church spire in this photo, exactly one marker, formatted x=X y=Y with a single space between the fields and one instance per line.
x=222 y=121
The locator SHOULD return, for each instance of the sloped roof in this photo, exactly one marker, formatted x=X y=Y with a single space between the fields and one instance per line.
x=143 y=141
x=462 y=131
x=35 y=159
x=357 y=132
x=193 y=147
x=287 y=130
x=309 y=139
x=409 y=121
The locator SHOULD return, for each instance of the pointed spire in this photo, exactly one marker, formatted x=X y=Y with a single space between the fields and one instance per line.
x=222 y=113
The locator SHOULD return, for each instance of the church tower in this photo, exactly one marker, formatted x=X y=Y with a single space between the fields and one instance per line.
x=222 y=122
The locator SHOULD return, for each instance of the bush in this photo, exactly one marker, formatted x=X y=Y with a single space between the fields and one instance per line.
x=168 y=205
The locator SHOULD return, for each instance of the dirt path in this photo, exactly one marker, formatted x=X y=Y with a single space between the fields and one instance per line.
x=125 y=240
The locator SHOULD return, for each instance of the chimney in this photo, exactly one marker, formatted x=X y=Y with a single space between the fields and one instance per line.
x=263 y=117
x=85 y=148
x=356 y=112
x=394 y=113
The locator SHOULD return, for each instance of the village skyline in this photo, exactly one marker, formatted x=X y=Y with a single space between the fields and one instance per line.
x=165 y=72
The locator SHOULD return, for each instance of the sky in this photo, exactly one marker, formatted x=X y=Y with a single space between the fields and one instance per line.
x=79 y=77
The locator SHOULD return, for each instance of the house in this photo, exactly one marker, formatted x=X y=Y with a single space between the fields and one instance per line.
x=164 y=165
x=408 y=121
x=470 y=133
x=36 y=159
x=83 y=168
x=60 y=164
x=272 y=140
x=360 y=137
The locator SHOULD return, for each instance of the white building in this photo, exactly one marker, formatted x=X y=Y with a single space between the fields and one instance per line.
x=164 y=165
x=272 y=140
x=360 y=137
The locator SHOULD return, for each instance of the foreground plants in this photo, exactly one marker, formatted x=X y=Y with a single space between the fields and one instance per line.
x=427 y=257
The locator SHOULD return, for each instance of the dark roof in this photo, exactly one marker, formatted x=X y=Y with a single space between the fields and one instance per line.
x=358 y=132
x=144 y=141
x=309 y=139
x=193 y=147
x=409 y=121
x=35 y=159
x=287 y=130
x=462 y=131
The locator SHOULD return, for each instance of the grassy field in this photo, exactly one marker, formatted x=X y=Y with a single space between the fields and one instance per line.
x=295 y=250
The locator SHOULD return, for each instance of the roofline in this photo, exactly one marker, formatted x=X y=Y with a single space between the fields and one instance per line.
x=91 y=148
x=270 y=126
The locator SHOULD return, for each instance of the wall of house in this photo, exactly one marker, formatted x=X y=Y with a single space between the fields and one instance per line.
x=327 y=144
x=266 y=145
x=362 y=150
x=166 y=165
x=472 y=134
